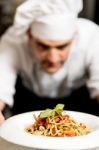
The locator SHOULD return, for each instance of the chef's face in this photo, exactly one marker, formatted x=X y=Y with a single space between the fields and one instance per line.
x=50 y=54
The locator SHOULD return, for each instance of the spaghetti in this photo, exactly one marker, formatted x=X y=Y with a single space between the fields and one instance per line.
x=56 y=123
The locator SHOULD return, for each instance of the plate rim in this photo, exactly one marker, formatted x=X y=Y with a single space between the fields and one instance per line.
x=39 y=146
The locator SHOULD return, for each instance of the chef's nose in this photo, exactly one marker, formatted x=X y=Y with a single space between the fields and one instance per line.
x=53 y=55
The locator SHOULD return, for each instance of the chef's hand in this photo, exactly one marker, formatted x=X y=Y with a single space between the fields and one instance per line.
x=1 y=118
x=2 y=106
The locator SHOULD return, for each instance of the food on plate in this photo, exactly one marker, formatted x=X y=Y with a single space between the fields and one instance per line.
x=57 y=123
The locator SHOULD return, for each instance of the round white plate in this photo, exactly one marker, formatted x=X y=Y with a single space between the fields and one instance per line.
x=13 y=131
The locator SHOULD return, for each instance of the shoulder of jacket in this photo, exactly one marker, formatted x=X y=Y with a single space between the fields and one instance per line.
x=87 y=31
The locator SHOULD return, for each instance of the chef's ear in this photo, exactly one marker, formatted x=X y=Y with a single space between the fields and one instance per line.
x=29 y=34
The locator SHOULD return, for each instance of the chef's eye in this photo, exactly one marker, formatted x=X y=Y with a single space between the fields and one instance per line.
x=63 y=46
x=42 y=46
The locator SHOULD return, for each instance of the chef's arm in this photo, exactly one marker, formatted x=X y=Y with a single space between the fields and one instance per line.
x=92 y=67
x=9 y=63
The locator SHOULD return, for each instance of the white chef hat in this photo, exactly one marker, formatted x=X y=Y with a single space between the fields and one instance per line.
x=48 y=19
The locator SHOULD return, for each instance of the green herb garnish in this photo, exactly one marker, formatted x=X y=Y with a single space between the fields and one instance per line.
x=51 y=112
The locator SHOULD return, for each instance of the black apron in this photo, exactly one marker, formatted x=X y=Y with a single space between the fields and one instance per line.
x=79 y=100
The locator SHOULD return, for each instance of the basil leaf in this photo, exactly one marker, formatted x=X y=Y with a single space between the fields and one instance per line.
x=52 y=112
x=59 y=107
x=46 y=113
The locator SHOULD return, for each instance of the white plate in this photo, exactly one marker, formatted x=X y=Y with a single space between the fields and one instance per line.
x=13 y=131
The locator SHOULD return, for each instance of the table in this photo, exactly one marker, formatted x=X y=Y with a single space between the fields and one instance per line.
x=4 y=145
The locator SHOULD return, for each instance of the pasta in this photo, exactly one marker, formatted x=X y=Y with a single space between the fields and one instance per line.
x=56 y=123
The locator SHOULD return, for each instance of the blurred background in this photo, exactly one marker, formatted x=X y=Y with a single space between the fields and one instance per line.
x=7 y=11
x=8 y=8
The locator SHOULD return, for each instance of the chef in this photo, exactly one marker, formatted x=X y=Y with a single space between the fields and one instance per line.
x=53 y=52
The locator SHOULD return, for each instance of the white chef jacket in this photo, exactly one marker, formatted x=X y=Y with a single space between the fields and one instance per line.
x=82 y=66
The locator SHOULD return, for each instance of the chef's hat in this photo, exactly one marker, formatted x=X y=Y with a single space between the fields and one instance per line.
x=48 y=19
